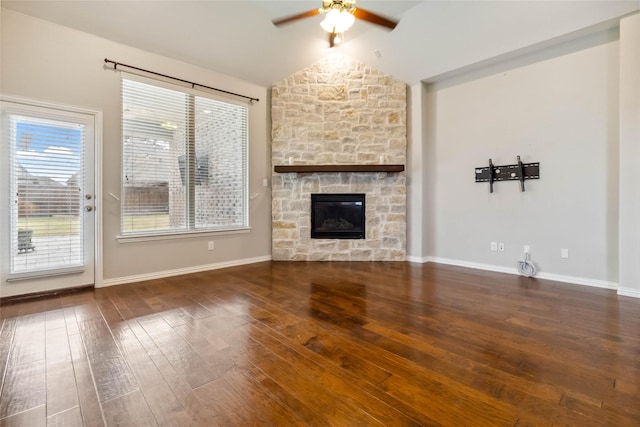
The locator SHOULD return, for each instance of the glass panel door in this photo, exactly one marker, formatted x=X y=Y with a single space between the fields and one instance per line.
x=49 y=242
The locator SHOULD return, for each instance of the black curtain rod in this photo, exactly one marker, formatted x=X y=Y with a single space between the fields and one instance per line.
x=193 y=85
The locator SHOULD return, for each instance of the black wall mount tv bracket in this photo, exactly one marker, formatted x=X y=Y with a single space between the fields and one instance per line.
x=520 y=171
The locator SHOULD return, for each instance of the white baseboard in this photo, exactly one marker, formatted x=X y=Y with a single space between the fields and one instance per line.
x=605 y=284
x=540 y=275
x=629 y=292
x=418 y=259
x=475 y=265
x=180 y=271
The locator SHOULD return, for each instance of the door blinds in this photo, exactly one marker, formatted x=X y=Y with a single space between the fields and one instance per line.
x=46 y=179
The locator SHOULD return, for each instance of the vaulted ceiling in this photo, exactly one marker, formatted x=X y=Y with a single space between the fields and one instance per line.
x=433 y=39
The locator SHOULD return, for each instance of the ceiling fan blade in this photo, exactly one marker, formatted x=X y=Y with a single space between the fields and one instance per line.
x=374 y=18
x=288 y=19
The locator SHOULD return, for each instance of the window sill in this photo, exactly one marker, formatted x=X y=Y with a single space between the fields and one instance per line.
x=181 y=235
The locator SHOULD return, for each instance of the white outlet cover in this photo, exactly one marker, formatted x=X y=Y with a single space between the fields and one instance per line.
x=564 y=253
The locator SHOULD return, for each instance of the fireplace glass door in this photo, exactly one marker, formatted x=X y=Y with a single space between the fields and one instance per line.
x=337 y=216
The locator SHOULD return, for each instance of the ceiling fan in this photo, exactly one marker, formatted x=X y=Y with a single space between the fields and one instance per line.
x=340 y=15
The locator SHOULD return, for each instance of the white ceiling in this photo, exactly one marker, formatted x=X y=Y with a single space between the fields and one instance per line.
x=237 y=37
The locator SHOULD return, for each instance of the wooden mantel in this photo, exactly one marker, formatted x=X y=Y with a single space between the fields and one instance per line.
x=337 y=168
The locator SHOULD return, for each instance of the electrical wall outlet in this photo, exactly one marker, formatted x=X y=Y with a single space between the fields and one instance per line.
x=494 y=246
x=210 y=246
x=527 y=249
x=501 y=247
x=564 y=253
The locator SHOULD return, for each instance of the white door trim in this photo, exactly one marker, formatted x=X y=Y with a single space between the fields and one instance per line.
x=97 y=167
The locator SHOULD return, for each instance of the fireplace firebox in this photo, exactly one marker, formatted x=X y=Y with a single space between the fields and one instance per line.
x=337 y=216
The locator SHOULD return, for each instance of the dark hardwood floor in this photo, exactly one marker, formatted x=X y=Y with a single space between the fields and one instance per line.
x=323 y=344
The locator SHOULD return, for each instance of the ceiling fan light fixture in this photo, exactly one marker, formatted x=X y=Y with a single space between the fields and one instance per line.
x=339 y=16
x=337 y=21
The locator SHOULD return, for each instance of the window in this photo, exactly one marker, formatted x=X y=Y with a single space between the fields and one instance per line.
x=184 y=161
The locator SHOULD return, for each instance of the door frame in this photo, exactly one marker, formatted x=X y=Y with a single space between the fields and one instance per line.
x=97 y=171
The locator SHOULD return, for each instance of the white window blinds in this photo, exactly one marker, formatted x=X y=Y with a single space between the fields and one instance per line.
x=46 y=180
x=184 y=161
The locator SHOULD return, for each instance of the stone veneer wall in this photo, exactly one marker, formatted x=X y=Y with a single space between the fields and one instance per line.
x=339 y=111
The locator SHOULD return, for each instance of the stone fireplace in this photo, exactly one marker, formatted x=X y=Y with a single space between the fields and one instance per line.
x=339 y=111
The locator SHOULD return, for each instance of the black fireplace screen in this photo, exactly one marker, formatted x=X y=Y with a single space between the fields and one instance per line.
x=337 y=216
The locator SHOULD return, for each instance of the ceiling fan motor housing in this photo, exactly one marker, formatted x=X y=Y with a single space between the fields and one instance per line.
x=341 y=5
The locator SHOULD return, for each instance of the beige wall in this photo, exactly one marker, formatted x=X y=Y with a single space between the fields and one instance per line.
x=630 y=156
x=45 y=61
x=559 y=107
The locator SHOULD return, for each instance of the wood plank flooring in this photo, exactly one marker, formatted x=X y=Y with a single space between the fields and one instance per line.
x=319 y=344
